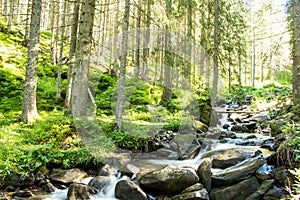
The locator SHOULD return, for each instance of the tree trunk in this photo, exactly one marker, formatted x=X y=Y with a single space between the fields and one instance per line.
x=27 y=22
x=53 y=25
x=240 y=64
x=29 y=109
x=11 y=14
x=253 y=50
x=115 y=44
x=82 y=101
x=121 y=85
x=73 y=43
x=167 y=91
x=137 y=40
x=5 y=10
x=189 y=43
x=296 y=50
x=216 y=54
x=61 y=47
x=146 y=42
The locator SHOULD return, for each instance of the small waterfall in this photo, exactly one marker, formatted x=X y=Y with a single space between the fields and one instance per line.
x=107 y=193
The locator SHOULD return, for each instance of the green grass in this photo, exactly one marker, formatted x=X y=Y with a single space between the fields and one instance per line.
x=53 y=138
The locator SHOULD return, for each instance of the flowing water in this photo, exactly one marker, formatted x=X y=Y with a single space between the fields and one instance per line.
x=107 y=193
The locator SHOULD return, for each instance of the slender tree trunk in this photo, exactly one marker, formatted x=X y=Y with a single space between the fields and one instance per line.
x=121 y=85
x=116 y=50
x=146 y=42
x=11 y=14
x=189 y=44
x=5 y=13
x=240 y=64
x=137 y=40
x=161 y=63
x=82 y=101
x=253 y=50
x=27 y=22
x=53 y=24
x=104 y=25
x=73 y=43
x=61 y=47
x=29 y=109
x=17 y=16
x=167 y=91
x=216 y=54
x=296 y=50
x=156 y=67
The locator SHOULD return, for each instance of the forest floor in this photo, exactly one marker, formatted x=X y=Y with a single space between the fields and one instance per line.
x=53 y=140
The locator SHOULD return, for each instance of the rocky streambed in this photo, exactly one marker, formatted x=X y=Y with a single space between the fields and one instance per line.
x=233 y=160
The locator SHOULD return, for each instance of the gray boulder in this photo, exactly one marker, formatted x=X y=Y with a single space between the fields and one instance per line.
x=195 y=195
x=67 y=176
x=237 y=173
x=204 y=173
x=240 y=191
x=99 y=182
x=78 y=191
x=169 y=180
x=194 y=192
x=262 y=190
x=229 y=157
x=126 y=189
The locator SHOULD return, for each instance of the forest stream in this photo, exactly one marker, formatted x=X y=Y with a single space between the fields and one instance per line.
x=231 y=161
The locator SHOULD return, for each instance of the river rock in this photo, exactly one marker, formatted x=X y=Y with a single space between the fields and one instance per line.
x=268 y=144
x=275 y=193
x=17 y=181
x=126 y=189
x=237 y=128
x=129 y=170
x=99 y=182
x=281 y=175
x=193 y=192
x=21 y=194
x=229 y=157
x=262 y=190
x=204 y=174
x=67 y=176
x=48 y=187
x=188 y=146
x=78 y=191
x=239 y=191
x=195 y=195
x=260 y=118
x=251 y=126
x=200 y=127
x=238 y=173
x=170 y=180
x=213 y=133
x=265 y=172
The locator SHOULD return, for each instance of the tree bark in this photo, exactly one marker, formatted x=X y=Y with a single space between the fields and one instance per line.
x=29 y=109
x=137 y=40
x=73 y=43
x=82 y=101
x=27 y=23
x=216 y=54
x=61 y=47
x=11 y=14
x=115 y=43
x=167 y=91
x=53 y=24
x=121 y=85
x=146 y=42
x=296 y=50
